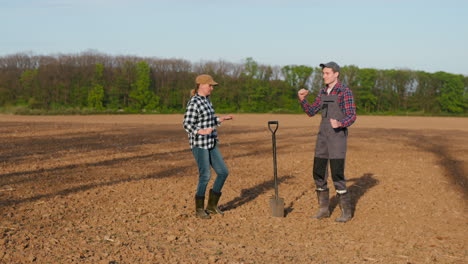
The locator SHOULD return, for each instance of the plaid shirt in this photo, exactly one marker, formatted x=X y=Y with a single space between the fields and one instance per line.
x=345 y=101
x=201 y=115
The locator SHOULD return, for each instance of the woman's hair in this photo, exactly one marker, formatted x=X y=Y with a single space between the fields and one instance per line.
x=194 y=91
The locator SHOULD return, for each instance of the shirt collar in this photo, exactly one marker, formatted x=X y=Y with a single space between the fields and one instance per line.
x=338 y=86
x=201 y=96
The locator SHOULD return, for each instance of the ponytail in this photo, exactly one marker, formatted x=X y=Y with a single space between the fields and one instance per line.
x=194 y=91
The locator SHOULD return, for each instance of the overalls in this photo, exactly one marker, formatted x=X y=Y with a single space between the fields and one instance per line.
x=331 y=145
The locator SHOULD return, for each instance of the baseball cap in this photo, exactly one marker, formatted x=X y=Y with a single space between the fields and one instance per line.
x=331 y=64
x=205 y=79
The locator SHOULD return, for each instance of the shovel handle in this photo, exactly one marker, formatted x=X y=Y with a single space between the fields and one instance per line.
x=273 y=138
x=273 y=123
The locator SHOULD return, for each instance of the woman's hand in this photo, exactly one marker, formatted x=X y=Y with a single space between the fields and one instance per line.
x=226 y=117
x=205 y=131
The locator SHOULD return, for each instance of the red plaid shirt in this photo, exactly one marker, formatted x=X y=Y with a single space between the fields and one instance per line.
x=345 y=101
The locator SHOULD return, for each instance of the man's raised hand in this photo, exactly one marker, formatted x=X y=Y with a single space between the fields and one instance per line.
x=302 y=93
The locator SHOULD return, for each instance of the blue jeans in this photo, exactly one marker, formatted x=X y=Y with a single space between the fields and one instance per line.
x=207 y=158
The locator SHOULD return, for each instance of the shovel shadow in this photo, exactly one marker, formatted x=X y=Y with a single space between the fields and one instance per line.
x=250 y=194
x=359 y=187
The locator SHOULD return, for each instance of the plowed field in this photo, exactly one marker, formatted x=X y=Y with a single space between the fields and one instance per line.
x=120 y=189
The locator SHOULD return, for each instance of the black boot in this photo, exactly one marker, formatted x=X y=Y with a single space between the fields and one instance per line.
x=324 y=202
x=212 y=207
x=200 y=207
x=345 y=205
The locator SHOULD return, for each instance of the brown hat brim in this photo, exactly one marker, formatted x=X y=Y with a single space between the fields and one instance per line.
x=205 y=79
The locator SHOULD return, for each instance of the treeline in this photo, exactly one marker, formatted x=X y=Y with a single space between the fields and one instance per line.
x=96 y=82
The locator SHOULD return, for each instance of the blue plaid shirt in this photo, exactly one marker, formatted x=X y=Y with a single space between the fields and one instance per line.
x=200 y=114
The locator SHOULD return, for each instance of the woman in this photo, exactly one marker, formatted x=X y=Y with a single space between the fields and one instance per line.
x=200 y=123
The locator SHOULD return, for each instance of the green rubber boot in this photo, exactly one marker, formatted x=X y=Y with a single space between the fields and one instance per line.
x=212 y=207
x=200 y=208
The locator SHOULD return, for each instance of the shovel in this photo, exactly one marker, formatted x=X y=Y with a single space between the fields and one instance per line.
x=276 y=203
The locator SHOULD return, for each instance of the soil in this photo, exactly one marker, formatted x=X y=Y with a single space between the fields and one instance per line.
x=120 y=189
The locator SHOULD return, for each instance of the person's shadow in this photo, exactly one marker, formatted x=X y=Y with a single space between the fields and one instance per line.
x=359 y=187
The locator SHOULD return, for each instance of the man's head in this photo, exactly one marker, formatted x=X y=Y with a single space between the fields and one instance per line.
x=330 y=72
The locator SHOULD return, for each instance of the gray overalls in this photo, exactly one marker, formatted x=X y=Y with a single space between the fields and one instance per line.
x=331 y=145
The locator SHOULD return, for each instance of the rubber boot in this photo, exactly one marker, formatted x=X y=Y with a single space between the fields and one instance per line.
x=345 y=205
x=212 y=207
x=200 y=208
x=324 y=203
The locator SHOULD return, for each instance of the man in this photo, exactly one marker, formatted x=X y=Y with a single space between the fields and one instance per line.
x=336 y=102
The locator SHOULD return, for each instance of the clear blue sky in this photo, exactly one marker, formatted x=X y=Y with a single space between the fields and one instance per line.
x=423 y=35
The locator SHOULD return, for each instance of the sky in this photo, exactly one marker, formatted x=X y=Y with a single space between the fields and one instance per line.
x=422 y=35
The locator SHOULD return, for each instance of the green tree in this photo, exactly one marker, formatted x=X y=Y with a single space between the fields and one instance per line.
x=29 y=84
x=297 y=76
x=96 y=92
x=251 y=68
x=365 y=99
x=141 y=97
x=465 y=93
x=452 y=90
x=425 y=97
x=350 y=76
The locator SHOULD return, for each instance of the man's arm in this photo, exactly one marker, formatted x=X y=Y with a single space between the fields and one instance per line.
x=350 y=109
x=309 y=109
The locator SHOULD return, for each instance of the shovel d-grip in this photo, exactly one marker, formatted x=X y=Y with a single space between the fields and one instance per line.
x=276 y=203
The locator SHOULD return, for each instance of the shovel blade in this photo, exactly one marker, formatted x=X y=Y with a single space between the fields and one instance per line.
x=277 y=207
